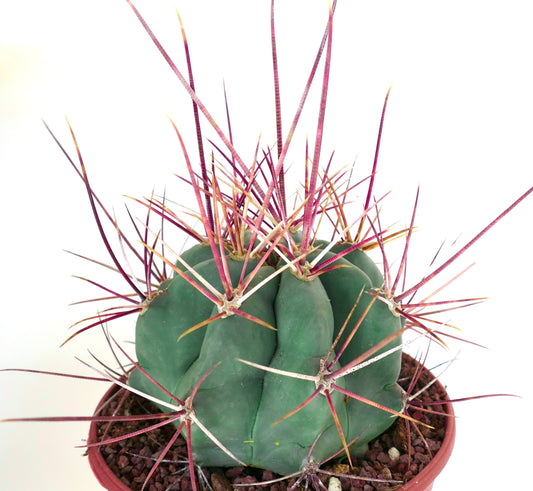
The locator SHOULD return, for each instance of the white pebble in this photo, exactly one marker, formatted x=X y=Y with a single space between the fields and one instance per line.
x=394 y=454
x=334 y=484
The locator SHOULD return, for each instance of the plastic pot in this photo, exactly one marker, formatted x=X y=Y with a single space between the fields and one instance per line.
x=422 y=482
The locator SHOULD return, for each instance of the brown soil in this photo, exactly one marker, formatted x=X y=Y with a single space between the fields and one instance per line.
x=133 y=458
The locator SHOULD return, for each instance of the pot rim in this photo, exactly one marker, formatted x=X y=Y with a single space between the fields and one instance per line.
x=423 y=481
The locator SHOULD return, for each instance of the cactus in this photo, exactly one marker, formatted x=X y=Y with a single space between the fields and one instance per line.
x=271 y=342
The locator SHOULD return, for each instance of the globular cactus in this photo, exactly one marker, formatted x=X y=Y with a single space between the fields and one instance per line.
x=304 y=314
x=276 y=342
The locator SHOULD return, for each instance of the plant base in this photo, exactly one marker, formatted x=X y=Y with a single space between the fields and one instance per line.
x=123 y=466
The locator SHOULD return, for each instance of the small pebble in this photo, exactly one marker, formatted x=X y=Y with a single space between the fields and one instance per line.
x=383 y=458
x=385 y=473
x=122 y=461
x=394 y=454
x=334 y=484
x=220 y=483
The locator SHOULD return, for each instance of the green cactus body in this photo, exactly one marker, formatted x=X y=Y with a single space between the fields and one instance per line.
x=376 y=382
x=195 y=255
x=305 y=335
x=232 y=392
x=239 y=403
x=175 y=309
x=361 y=260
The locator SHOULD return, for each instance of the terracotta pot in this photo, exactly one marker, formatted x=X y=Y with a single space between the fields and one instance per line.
x=422 y=482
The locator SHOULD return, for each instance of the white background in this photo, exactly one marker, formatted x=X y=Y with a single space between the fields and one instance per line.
x=459 y=124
